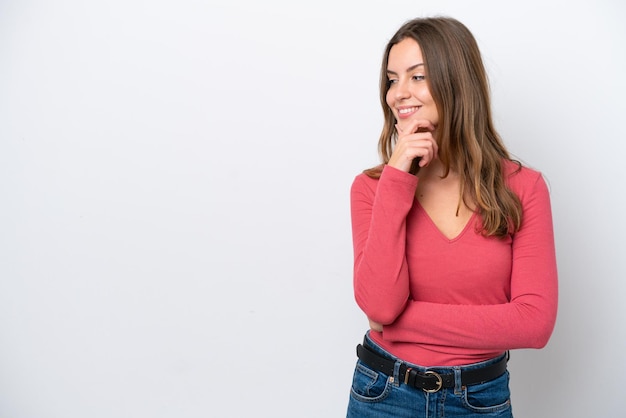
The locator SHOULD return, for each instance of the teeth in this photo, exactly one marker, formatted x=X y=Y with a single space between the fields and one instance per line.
x=405 y=111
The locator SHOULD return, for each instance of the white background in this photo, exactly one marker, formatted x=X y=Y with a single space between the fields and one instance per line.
x=174 y=213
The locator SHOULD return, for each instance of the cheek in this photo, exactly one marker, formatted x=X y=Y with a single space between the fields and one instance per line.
x=390 y=102
x=389 y=98
x=430 y=96
x=425 y=96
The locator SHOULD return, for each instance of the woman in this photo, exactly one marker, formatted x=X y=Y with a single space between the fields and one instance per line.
x=453 y=240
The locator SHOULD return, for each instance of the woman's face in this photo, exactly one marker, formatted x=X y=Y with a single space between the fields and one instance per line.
x=408 y=95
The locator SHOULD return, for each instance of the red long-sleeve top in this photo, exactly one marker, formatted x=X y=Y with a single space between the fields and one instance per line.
x=453 y=301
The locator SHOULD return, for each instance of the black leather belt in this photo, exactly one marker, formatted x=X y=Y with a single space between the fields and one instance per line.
x=430 y=381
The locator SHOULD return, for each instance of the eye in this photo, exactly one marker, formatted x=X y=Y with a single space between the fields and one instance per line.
x=419 y=77
x=391 y=81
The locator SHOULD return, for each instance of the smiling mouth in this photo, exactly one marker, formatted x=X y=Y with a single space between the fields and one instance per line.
x=408 y=110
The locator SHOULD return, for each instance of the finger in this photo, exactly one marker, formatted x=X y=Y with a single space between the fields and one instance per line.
x=420 y=125
x=432 y=154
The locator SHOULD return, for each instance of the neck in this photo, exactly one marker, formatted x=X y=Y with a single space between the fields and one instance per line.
x=435 y=169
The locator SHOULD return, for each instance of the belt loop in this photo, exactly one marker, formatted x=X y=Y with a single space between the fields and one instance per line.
x=396 y=373
x=458 y=386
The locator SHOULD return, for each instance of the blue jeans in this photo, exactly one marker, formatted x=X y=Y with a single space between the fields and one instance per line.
x=375 y=394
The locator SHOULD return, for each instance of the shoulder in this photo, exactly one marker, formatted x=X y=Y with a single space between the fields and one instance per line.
x=523 y=180
x=363 y=181
x=363 y=187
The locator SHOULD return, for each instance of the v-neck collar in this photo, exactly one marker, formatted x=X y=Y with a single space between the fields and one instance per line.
x=443 y=236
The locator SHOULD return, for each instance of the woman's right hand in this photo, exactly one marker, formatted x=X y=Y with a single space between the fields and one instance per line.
x=375 y=326
x=414 y=140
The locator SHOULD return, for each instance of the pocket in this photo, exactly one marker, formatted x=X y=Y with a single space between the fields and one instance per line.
x=369 y=385
x=489 y=397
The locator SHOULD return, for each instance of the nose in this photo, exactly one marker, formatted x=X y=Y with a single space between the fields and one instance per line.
x=402 y=91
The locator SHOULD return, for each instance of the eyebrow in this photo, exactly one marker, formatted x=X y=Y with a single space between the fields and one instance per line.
x=408 y=70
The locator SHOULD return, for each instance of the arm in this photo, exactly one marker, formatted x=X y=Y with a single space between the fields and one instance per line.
x=378 y=210
x=526 y=321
